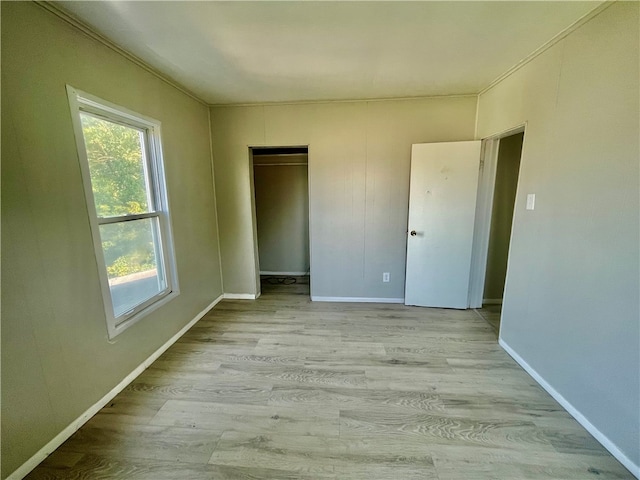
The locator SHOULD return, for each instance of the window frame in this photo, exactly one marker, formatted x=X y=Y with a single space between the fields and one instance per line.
x=82 y=102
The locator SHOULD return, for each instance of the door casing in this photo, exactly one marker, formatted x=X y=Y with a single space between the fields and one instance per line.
x=484 y=204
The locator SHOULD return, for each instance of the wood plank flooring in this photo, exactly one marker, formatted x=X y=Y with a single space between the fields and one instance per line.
x=283 y=388
x=491 y=313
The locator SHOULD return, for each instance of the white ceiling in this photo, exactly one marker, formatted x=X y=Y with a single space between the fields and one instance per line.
x=254 y=52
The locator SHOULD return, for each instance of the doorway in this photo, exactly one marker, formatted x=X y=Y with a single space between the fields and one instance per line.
x=281 y=199
x=499 y=184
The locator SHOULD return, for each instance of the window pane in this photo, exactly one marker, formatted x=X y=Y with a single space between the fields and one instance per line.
x=117 y=162
x=133 y=257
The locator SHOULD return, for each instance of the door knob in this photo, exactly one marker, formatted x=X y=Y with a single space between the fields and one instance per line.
x=413 y=233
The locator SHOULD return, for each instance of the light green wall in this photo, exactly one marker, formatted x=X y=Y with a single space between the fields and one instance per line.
x=504 y=196
x=571 y=305
x=56 y=357
x=282 y=214
x=359 y=157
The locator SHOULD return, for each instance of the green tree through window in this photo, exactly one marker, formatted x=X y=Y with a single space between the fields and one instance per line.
x=115 y=155
x=119 y=180
x=120 y=155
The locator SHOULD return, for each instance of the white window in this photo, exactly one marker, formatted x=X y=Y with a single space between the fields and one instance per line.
x=121 y=162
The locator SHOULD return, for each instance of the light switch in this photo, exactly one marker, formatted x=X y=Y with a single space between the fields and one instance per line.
x=531 y=201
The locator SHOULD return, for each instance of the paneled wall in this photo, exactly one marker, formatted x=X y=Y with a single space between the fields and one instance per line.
x=56 y=358
x=359 y=157
x=571 y=305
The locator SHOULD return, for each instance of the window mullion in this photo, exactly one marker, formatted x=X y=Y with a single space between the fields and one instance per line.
x=127 y=218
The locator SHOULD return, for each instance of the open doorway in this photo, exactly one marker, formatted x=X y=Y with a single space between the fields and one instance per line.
x=504 y=197
x=494 y=220
x=281 y=196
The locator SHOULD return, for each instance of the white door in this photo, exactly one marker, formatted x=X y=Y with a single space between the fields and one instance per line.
x=442 y=205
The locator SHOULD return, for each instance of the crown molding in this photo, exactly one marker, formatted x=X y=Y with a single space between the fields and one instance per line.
x=79 y=24
x=352 y=100
x=75 y=22
x=546 y=46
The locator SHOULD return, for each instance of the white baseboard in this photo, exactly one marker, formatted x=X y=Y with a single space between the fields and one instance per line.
x=492 y=301
x=298 y=274
x=575 y=413
x=315 y=298
x=241 y=296
x=59 y=439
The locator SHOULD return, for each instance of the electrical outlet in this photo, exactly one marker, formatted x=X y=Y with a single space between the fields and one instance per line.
x=385 y=277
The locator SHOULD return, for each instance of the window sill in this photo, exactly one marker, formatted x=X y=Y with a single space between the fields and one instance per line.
x=115 y=330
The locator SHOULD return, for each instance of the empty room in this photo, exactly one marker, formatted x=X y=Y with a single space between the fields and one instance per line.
x=320 y=240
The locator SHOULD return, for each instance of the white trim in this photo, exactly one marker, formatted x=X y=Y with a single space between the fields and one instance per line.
x=82 y=102
x=127 y=218
x=482 y=221
x=484 y=210
x=573 y=411
x=492 y=301
x=299 y=274
x=477 y=119
x=255 y=271
x=291 y=164
x=547 y=45
x=315 y=298
x=59 y=439
x=75 y=22
x=79 y=24
x=522 y=128
x=241 y=296
x=348 y=100
x=310 y=213
x=281 y=154
x=254 y=222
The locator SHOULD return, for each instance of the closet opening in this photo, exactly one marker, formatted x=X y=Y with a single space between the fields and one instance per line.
x=280 y=178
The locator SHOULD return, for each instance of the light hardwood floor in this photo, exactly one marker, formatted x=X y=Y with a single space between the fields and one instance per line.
x=491 y=313
x=283 y=388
